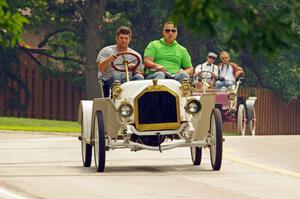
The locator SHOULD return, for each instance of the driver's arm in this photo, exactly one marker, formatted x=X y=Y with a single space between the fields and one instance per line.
x=197 y=69
x=103 y=64
x=150 y=64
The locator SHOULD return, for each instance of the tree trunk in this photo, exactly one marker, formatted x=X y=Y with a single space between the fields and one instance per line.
x=94 y=12
x=247 y=60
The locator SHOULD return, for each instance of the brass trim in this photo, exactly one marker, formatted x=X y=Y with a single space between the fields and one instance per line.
x=116 y=90
x=157 y=126
x=185 y=88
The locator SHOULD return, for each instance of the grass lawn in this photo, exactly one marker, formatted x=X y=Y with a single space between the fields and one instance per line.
x=43 y=125
x=231 y=133
x=39 y=125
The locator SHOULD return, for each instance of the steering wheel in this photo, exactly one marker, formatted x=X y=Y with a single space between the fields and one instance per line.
x=206 y=74
x=135 y=61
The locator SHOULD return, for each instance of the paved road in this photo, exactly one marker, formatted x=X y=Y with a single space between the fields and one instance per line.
x=49 y=166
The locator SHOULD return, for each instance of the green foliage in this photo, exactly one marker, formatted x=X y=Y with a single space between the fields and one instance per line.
x=145 y=17
x=65 y=45
x=250 y=30
x=11 y=25
x=283 y=75
x=249 y=24
x=261 y=35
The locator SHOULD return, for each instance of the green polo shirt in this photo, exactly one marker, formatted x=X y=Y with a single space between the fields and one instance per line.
x=172 y=57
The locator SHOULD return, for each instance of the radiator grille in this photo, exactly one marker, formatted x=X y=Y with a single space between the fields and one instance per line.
x=157 y=107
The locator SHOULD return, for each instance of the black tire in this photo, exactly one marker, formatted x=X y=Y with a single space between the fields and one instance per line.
x=220 y=107
x=196 y=153
x=216 y=146
x=86 y=150
x=99 y=146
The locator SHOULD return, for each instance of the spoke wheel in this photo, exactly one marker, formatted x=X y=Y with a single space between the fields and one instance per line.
x=86 y=149
x=241 y=119
x=99 y=146
x=216 y=135
x=251 y=125
x=196 y=153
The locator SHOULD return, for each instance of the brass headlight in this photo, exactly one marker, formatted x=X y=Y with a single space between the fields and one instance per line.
x=125 y=110
x=193 y=106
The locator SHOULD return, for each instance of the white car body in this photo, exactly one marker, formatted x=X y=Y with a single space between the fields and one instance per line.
x=154 y=99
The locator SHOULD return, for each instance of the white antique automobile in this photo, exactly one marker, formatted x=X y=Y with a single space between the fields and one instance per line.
x=145 y=114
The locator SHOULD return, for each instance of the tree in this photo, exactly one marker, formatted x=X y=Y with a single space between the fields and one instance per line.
x=75 y=30
x=11 y=25
x=9 y=72
x=248 y=24
x=72 y=34
x=145 y=18
x=261 y=33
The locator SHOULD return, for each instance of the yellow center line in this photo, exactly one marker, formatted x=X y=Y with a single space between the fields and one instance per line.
x=261 y=166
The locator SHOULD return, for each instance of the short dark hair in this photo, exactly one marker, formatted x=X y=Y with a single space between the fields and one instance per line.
x=124 y=30
x=169 y=22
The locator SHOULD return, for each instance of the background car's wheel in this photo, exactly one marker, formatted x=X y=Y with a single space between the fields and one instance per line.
x=99 y=146
x=196 y=153
x=241 y=123
x=251 y=124
x=86 y=149
x=216 y=145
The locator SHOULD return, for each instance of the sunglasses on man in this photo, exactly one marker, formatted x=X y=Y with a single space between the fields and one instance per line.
x=170 y=30
x=211 y=57
x=223 y=58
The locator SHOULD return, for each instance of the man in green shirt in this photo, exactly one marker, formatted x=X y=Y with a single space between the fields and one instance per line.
x=165 y=58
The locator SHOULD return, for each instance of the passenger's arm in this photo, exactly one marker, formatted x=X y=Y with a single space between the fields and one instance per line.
x=138 y=70
x=150 y=64
x=189 y=70
x=186 y=63
x=237 y=70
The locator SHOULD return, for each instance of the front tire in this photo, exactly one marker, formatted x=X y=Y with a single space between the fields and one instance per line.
x=99 y=146
x=196 y=153
x=216 y=135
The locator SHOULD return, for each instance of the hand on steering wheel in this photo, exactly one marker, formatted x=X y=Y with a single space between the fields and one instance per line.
x=132 y=64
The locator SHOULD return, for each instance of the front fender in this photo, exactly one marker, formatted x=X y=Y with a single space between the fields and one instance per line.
x=85 y=118
x=110 y=116
x=250 y=107
x=201 y=121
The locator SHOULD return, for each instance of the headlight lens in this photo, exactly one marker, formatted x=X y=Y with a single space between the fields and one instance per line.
x=125 y=110
x=193 y=106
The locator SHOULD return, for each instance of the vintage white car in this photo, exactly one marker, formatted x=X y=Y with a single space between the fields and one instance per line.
x=144 y=114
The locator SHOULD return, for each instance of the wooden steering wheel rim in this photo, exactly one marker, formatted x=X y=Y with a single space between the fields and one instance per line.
x=129 y=69
x=207 y=72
